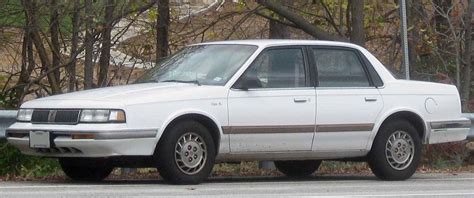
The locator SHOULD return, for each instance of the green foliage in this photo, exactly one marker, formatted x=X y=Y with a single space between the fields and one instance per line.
x=12 y=162
x=11 y=14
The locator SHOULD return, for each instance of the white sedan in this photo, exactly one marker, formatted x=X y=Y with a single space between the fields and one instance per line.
x=290 y=101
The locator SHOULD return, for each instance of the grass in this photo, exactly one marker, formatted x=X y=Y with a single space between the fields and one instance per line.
x=13 y=164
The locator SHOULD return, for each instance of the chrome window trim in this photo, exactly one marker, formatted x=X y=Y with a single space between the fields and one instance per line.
x=342 y=88
x=276 y=89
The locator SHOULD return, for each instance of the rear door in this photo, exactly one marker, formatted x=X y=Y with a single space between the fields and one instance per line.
x=348 y=100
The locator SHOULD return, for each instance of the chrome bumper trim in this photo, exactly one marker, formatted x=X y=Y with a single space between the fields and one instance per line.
x=99 y=135
x=447 y=131
x=451 y=124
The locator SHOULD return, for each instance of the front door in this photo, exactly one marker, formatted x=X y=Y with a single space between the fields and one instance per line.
x=272 y=106
x=348 y=100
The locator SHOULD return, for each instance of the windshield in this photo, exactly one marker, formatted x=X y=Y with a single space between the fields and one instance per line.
x=200 y=64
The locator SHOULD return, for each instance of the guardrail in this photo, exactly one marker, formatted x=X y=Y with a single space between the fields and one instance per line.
x=470 y=116
x=8 y=117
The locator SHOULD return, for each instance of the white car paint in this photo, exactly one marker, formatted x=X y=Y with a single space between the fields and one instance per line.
x=153 y=106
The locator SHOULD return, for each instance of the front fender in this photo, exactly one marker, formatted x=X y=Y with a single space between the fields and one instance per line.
x=224 y=140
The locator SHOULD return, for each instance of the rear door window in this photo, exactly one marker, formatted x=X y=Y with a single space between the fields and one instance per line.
x=339 y=68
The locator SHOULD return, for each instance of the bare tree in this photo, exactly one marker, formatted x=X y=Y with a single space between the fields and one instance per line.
x=27 y=65
x=299 y=21
x=415 y=15
x=30 y=9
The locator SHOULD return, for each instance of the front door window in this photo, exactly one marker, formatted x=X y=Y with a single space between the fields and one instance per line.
x=277 y=68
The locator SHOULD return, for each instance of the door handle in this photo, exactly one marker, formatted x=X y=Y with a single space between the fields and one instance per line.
x=370 y=99
x=300 y=100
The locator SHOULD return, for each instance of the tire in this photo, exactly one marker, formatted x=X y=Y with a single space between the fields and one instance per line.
x=396 y=151
x=85 y=169
x=186 y=153
x=302 y=168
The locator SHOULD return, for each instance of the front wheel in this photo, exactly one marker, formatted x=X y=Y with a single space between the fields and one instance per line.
x=396 y=151
x=186 y=153
x=302 y=168
x=85 y=169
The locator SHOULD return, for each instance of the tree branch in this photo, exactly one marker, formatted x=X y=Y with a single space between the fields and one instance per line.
x=300 y=22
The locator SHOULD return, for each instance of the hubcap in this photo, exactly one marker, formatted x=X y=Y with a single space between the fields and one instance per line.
x=190 y=153
x=399 y=150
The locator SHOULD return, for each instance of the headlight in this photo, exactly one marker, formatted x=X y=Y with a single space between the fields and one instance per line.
x=102 y=115
x=24 y=115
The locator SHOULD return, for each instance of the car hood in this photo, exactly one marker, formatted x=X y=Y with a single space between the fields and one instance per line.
x=119 y=96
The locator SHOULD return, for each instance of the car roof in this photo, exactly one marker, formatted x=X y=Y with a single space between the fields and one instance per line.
x=281 y=42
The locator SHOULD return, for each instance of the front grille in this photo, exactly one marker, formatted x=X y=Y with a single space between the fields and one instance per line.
x=53 y=116
x=40 y=116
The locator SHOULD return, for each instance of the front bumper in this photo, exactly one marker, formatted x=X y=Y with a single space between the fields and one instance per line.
x=88 y=143
x=448 y=131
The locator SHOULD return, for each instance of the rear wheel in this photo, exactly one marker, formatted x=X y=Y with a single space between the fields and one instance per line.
x=186 y=153
x=396 y=151
x=85 y=169
x=302 y=168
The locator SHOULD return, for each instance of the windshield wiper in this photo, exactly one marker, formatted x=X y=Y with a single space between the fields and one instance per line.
x=184 y=81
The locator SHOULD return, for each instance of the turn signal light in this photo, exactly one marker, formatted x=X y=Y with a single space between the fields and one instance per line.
x=83 y=136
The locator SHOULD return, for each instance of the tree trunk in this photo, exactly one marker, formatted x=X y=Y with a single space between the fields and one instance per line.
x=278 y=30
x=162 y=26
x=104 y=60
x=357 y=22
x=89 y=46
x=466 y=86
x=54 y=31
x=24 y=75
x=74 y=43
x=30 y=54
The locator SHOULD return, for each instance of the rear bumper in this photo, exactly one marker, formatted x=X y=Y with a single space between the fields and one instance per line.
x=93 y=144
x=448 y=131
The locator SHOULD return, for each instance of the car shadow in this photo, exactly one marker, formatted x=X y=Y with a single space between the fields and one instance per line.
x=288 y=179
x=223 y=179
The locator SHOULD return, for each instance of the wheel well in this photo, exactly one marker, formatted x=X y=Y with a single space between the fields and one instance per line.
x=204 y=120
x=411 y=117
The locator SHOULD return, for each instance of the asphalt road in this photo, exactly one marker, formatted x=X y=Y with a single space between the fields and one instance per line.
x=421 y=185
